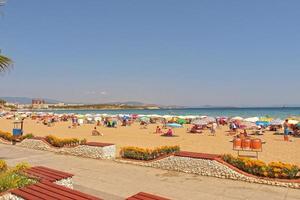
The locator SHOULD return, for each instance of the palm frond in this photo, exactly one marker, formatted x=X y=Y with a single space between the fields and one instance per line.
x=5 y=63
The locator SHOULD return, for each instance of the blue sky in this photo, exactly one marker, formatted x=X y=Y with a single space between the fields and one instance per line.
x=168 y=52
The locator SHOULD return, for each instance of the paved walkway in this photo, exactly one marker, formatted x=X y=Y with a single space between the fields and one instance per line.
x=114 y=181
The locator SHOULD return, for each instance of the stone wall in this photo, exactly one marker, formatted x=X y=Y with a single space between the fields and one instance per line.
x=207 y=167
x=67 y=182
x=9 y=196
x=97 y=152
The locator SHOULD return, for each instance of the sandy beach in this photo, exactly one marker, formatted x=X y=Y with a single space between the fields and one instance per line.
x=275 y=149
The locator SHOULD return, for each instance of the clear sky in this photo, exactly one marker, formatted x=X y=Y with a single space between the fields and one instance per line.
x=201 y=52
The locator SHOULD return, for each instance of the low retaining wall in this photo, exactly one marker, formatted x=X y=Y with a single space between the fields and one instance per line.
x=211 y=165
x=89 y=150
x=9 y=196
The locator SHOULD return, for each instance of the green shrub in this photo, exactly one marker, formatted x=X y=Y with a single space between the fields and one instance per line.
x=3 y=166
x=9 y=137
x=27 y=136
x=147 y=154
x=11 y=180
x=6 y=136
x=58 y=142
x=259 y=168
x=83 y=141
x=21 y=167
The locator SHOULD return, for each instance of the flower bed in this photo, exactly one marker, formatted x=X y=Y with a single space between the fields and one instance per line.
x=11 y=178
x=137 y=153
x=259 y=168
x=9 y=137
x=58 y=142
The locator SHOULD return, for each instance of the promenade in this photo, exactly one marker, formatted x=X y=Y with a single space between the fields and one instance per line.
x=115 y=181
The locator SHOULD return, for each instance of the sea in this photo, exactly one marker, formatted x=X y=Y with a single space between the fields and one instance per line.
x=275 y=112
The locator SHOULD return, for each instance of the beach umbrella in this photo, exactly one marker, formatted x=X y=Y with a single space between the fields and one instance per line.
x=199 y=122
x=262 y=123
x=265 y=119
x=174 y=125
x=209 y=119
x=237 y=118
x=144 y=119
x=181 y=121
x=276 y=122
x=126 y=117
x=247 y=125
x=252 y=119
x=292 y=121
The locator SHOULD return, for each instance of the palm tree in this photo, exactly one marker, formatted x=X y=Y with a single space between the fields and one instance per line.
x=5 y=63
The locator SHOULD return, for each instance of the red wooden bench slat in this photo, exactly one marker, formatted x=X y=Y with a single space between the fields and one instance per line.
x=53 y=194
x=25 y=195
x=45 y=174
x=146 y=196
x=69 y=194
x=132 y=198
x=60 y=192
x=40 y=176
x=53 y=170
x=98 y=144
x=37 y=194
x=80 y=194
x=196 y=155
x=152 y=196
x=49 y=172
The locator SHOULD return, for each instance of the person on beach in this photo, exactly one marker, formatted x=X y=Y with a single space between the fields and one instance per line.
x=95 y=132
x=169 y=133
x=158 y=130
x=98 y=123
x=243 y=134
x=195 y=129
x=143 y=125
x=214 y=128
x=286 y=130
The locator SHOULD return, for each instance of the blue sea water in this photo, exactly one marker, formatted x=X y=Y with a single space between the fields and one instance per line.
x=214 y=112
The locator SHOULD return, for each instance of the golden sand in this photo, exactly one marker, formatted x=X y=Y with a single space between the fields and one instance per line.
x=275 y=149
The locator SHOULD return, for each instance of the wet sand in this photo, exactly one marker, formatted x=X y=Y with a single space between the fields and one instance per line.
x=275 y=148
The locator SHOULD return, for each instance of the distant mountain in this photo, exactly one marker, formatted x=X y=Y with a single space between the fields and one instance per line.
x=26 y=100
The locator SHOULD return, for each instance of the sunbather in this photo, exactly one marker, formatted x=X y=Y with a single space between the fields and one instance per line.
x=169 y=133
x=158 y=130
x=95 y=132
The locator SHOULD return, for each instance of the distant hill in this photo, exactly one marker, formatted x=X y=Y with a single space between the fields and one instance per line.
x=26 y=100
x=129 y=103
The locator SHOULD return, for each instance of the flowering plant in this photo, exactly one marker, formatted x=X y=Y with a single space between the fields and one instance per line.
x=259 y=168
x=147 y=154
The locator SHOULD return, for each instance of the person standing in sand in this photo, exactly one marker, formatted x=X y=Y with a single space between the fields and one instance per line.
x=213 y=128
x=286 y=130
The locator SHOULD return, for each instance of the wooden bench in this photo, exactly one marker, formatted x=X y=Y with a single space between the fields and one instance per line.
x=146 y=196
x=44 y=173
x=46 y=190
